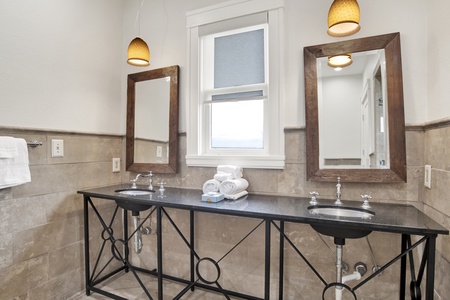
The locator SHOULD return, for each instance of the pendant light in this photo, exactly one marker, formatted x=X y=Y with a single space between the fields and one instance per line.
x=340 y=61
x=343 y=18
x=138 y=52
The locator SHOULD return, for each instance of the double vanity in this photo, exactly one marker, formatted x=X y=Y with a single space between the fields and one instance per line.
x=348 y=220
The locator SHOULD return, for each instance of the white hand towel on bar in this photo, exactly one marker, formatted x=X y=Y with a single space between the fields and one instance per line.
x=236 y=196
x=233 y=186
x=15 y=171
x=211 y=185
x=235 y=171
x=8 y=147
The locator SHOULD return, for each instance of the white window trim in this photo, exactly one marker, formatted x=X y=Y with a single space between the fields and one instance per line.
x=196 y=156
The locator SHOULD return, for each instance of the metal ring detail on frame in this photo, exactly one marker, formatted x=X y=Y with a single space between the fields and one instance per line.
x=207 y=259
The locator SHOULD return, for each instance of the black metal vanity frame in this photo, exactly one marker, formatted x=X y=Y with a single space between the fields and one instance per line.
x=263 y=210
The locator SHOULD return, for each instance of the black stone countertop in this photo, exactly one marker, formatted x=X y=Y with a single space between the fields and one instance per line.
x=394 y=218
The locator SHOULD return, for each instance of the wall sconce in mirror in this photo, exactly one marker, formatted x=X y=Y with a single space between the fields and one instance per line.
x=138 y=52
x=343 y=18
x=340 y=61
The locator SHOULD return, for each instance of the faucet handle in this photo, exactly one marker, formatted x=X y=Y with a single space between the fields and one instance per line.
x=366 y=204
x=133 y=183
x=150 y=175
x=314 y=201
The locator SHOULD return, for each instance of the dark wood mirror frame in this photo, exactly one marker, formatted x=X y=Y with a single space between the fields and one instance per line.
x=171 y=166
x=394 y=83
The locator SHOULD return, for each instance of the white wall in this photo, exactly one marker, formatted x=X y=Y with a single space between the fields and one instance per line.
x=60 y=65
x=163 y=27
x=62 y=61
x=438 y=64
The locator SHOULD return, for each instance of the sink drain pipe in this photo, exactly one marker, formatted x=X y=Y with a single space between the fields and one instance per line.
x=360 y=269
x=139 y=231
x=137 y=234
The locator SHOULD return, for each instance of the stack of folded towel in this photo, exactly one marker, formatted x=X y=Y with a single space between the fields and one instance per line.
x=14 y=169
x=228 y=181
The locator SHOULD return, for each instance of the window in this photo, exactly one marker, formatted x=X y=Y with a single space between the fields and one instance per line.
x=234 y=112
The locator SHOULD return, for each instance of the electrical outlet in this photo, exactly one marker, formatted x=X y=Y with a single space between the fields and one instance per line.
x=116 y=165
x=158 y=151
x=427 y=179
x=57 y=148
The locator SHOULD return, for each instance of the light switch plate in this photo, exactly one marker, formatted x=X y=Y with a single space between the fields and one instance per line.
x=427 y=177
x=116 y=165
x=158 y=151
x=57 y=148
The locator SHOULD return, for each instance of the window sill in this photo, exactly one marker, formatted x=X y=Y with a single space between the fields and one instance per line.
x=253 y=162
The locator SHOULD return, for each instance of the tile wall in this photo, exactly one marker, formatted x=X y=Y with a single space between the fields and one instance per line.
x=41 y=241
x=41 y=223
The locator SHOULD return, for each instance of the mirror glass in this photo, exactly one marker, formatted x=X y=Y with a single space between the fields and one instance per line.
x=151 y=143
x=355 y=116
x=352 y=112
x=152 y=121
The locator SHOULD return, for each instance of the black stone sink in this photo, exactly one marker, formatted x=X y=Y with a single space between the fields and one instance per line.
x=130 y=205
x=339 y=212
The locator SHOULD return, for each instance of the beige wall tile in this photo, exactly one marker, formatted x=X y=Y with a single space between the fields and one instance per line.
x=51 y=218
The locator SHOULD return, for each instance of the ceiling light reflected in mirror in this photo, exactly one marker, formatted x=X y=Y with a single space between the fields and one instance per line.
x=340 y=61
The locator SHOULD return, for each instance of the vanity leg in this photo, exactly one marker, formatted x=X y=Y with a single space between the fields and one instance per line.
x=403 y=268
x=267 y=262
x=86 y=245
x=125 y=234
x=281 y=270
x=192 y=249
x=159 y=249
x=430 y=267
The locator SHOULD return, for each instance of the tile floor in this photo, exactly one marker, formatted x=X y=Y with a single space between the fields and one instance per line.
x=126 y=286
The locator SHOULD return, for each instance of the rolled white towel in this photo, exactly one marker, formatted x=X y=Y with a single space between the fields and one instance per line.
x=223 y=176
x=211 y=185
x=236 y=196
x=233 y=186
x=235 y=171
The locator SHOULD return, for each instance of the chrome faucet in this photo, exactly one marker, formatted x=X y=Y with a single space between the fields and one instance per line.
x=133 y=181
x=338 y=192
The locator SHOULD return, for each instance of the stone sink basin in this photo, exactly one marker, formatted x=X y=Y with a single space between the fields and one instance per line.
x=135 y=207
x=341 y=212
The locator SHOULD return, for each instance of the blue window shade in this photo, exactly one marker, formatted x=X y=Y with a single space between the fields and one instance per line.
x=239 y=59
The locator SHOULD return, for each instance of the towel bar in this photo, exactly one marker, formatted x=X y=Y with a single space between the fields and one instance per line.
x=34 y=143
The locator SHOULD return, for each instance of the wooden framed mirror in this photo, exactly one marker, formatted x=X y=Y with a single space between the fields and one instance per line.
x=367 y=166
x=152 y=121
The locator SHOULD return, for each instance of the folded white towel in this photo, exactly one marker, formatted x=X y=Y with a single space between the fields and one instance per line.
x=8 y=147
x=221 y=176
x=236 y=196
x=210 y=186
x=15 y=171
x=233 y=186
x=235 y=171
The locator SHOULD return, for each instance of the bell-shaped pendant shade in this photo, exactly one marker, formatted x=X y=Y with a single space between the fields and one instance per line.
x=340 y=61
x=138 y=53
x=343 y=18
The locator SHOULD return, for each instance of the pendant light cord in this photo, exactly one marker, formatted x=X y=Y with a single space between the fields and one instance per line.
x=138 y=17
